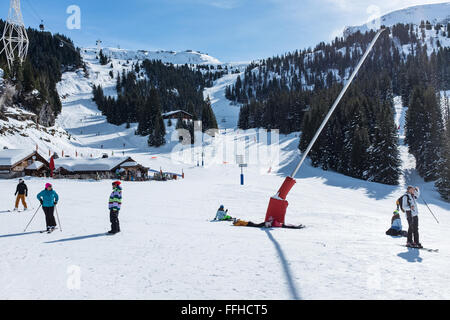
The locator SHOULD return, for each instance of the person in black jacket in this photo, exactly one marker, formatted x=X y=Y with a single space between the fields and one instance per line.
x=21 y=193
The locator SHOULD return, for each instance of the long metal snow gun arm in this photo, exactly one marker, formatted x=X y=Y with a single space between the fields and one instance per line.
x=336 y=103
x=278 y=203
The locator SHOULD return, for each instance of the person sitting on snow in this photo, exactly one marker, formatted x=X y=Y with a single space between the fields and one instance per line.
x=272 y=223
x=222 y=214
x=396 y=226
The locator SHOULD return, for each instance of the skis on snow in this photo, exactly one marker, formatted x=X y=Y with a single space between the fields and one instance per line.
x=18 y=211
x=48 y=231
x=426 y=249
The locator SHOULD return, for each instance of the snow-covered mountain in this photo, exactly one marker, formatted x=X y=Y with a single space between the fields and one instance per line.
x=184 y=57
x=173 y=251
x=434 y=13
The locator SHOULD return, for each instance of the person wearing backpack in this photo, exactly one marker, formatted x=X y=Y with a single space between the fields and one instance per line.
x=409 y=205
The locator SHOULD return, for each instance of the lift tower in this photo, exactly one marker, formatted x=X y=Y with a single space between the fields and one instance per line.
x=15 y=39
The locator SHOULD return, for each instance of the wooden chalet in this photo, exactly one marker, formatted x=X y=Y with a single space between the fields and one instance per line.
x=16 y=163
x=178 y=114
x=124 y=168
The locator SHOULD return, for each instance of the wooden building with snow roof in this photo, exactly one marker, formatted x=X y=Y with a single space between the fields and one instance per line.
x=124 y=168
x=15 y=163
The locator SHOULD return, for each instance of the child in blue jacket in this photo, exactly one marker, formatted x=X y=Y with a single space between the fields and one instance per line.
x=396 y=226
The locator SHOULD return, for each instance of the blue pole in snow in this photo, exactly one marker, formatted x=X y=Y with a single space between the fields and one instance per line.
x=242 y=176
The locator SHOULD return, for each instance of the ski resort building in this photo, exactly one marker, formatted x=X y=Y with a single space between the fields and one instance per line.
x=164 y=176
x=16 y=163
x=178 y=114
x=124 y=168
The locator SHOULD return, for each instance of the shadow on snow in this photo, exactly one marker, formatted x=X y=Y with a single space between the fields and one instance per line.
x=285 y=264
x=412 y=255
x=79 y=238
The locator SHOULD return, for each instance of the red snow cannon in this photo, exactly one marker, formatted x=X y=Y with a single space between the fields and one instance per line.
x=278 y=203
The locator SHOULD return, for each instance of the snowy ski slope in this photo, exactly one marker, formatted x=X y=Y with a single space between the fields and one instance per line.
x=169 y=249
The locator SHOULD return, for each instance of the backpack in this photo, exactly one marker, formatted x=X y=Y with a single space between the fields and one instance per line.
x=400 y=202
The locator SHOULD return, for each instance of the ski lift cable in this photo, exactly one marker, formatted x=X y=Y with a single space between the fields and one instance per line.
x=38 y=16
x=33 y=9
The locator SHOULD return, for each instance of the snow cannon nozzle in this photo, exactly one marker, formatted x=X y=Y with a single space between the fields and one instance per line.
x=288 y=184
x=278 y=204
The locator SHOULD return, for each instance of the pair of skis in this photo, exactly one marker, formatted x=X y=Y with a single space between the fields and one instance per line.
x=18 y=211
x=48 y=231
x=426 y=249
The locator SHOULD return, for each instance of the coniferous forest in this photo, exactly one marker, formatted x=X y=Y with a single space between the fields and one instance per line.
x=48 y=57
x=294 y=92
x=165 y=88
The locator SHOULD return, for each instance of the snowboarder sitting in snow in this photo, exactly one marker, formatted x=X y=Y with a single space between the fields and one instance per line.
x=49 y=199
x=396 y=226
x=114 y=204
x=222 y=214
x=268 y=224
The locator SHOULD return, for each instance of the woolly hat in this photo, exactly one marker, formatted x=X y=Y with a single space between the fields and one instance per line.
x=47 y=185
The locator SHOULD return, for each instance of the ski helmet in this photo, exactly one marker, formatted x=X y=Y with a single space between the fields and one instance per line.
x=396 y=212
x=48 y=185
x=117 y=183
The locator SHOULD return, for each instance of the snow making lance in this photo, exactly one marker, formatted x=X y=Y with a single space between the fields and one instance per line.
x=278 y=203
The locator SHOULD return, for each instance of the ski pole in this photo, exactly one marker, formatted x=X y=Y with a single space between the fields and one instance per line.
x=429 y=209
x=57 y=215
x=32 y=218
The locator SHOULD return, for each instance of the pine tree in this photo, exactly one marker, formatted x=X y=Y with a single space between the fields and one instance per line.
x=424 y=129
x=103 y=59
x=208 y=118
x=157 y=135
x=384 y=154
x=443 y=182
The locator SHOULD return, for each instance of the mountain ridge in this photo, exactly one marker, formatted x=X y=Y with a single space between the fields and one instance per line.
x=434 y=13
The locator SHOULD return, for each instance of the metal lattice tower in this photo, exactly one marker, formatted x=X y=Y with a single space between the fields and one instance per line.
x=15 y=39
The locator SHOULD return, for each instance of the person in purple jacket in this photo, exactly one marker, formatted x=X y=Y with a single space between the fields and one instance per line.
x=114 y=205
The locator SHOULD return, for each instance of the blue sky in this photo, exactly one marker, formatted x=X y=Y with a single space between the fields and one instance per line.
x=230 y=30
